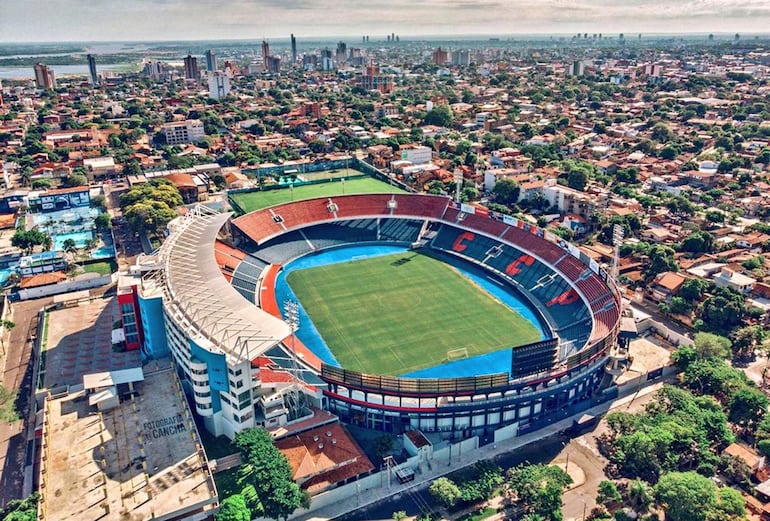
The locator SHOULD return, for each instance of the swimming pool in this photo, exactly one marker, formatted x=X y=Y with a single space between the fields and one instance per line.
x=5 y=274
x=105 y=252
x=81 y=239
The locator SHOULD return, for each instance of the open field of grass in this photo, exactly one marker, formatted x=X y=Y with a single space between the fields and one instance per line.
x=102 y=268
x=252 y=201
x=399 y=313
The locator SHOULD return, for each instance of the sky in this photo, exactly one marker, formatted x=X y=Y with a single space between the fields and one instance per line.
x=116 y=20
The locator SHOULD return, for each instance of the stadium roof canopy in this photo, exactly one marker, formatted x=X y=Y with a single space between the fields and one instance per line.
x=216 y=316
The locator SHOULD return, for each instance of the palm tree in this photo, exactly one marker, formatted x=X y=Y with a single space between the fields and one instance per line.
x=71 y=247
x=5 y=325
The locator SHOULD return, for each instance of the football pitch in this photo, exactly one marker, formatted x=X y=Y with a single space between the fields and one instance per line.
x=251 y=201
x=399 y=313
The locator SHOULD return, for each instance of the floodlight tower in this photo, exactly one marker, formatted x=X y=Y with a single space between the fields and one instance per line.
x=291 y=310
x=617 y=240
x=458 y=184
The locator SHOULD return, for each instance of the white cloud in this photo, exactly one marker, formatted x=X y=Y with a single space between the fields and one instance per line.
x=51 y=20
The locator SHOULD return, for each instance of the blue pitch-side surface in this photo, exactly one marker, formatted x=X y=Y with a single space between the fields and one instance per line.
x=495 y=362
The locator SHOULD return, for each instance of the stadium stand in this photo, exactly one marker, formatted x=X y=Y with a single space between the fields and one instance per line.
x=342 y=232
x=485 y=224
x=282 y=249
x=362 y=205
x=432 y=206
x=400 y=230
x=227 y=258
x=533 y=276
x=246 y=277
x=537 y=245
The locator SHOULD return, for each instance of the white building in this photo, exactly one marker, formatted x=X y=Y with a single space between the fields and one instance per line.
x=213 y=333
x=734 y=280
x=219 y=85
x=180 y=132
x=417 y=155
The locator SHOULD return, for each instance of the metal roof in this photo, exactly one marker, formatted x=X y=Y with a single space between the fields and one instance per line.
x=215 y=315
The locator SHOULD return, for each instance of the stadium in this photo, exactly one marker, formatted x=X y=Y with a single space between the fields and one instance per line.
x=392 y=311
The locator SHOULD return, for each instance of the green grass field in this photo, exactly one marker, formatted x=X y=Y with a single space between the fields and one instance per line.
x=252 y=201
x=399 y=313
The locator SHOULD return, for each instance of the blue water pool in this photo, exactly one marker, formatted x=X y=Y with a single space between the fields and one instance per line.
x=105 y=252
x=5 y=273
x=80 y=238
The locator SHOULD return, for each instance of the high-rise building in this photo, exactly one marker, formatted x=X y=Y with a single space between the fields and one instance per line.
x=265 y=54
x=372 y=79
x=219 y=85
x=44 y=77
x=342 y=52
x=211 y=61
x=577 y=68
x=180 y=132
x=191 y=71
x=293 y=50
x=154 y=69
x=273 y=64
x=461 y=58
x=92 y=70
x=439 y=56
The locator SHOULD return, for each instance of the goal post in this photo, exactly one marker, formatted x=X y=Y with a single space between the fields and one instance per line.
x=457 y=354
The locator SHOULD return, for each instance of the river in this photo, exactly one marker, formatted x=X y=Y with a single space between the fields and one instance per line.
x=26 y=72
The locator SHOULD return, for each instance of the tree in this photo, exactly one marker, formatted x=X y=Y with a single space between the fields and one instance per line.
x=693 y=289
x=469 y=193
x=132 y=168
x=150 y=206
x=661 y=133
x=75 y=180
x=747 y=407
x=731 y=503
x=233 y=508
x=440 y=116
x=8 y=411
x=399 y=515
x=21 y=509
x=746 y=340
x=686 y=496
x=723 y=310
x=709 y=345
x=538 y=488
x=698 y=242
x=103 y=221
x=41 y=184
x=608 y=493
x=640 y=495
x=577 y=179
x=661 y=260
x=383 y=445
x=70 y=246
x=445 y=491
x=506 y=191
x=28 y=239
x=269 y=472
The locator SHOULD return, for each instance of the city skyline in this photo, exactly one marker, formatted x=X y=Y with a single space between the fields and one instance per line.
x=108 y=20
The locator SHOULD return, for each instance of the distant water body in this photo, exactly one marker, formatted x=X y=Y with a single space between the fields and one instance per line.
x=27 y=72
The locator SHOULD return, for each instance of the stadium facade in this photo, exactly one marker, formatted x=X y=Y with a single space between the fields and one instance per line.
x=207 y=297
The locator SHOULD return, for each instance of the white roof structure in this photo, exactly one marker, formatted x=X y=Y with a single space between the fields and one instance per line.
x=110 y=378
x=214 y=314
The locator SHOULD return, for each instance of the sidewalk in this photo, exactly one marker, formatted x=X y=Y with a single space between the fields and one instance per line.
x=489 y=451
